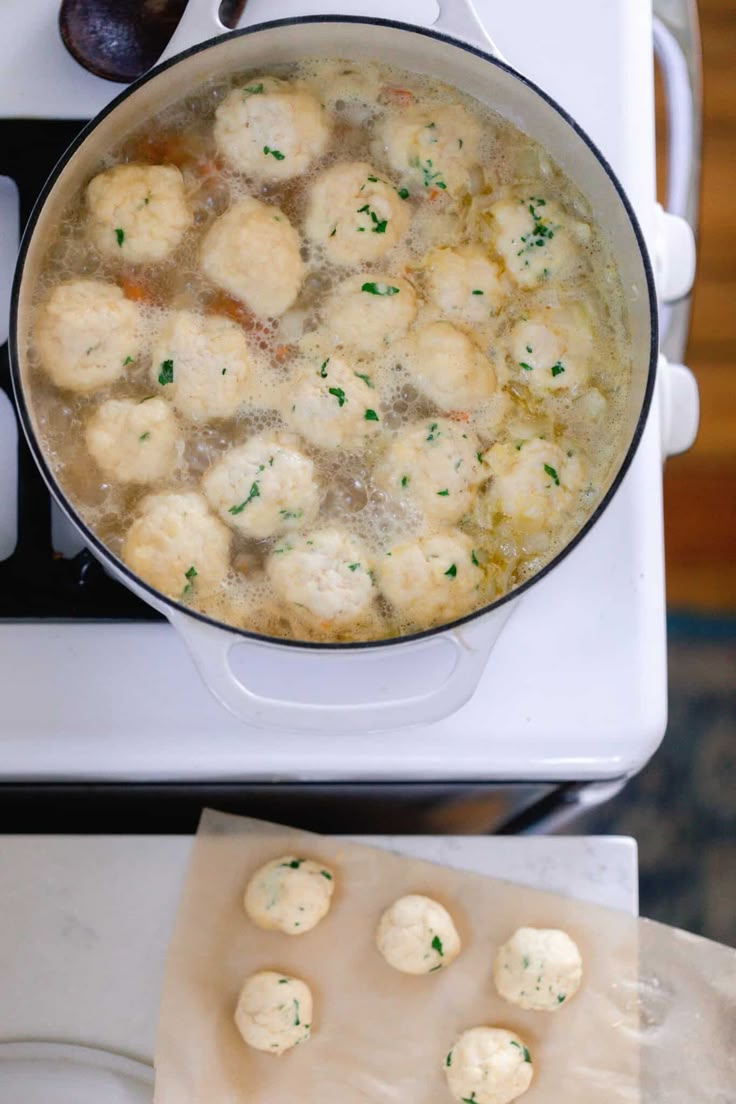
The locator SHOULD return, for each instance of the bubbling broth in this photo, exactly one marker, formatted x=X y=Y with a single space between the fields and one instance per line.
x=330 y=353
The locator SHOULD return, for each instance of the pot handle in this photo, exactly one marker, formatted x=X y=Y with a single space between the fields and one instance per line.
x=471 y=645
x=201 y=20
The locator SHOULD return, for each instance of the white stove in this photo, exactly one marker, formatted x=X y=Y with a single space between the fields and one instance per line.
x=575 y=688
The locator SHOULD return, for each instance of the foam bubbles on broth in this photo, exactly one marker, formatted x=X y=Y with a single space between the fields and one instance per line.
x=183 y=135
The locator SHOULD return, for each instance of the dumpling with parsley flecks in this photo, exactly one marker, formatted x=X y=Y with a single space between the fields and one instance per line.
x=271 y=129
x=202 y=363
x=265 y=487
x=355 y=214
x=538 y=968
x=369 y=313
x=417 y=935
x=433 y=465
x=289 y=894
x=138 y=213
x=324 y=577
x=431 y=578
x=488 y=1065
x=332 y=402
x=177 y=546
x=536 y=239
x=274 y=1012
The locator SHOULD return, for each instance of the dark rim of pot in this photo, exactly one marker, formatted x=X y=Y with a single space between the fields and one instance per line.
x=98 y=545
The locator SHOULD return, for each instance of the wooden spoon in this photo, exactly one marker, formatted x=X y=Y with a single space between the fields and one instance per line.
x=120 y=40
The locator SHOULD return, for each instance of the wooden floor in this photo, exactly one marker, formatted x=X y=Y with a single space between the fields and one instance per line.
x=700 y=486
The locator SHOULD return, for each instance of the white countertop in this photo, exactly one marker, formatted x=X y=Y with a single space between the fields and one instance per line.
x=85 y=920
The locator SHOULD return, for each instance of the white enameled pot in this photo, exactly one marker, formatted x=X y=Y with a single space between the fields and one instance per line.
x=412 y=680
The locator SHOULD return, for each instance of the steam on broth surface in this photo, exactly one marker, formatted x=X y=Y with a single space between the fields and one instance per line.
x=330 y=353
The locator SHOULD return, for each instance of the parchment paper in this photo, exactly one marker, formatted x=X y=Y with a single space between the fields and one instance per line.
x=654 y=1021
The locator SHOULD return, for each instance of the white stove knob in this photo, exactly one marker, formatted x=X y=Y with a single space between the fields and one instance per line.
x=674 y=259
x=680 y=407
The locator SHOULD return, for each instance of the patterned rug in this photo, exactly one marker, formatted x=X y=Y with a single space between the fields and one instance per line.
x=681 y=809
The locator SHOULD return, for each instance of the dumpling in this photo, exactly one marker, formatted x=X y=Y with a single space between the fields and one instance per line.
x=536 y=239
x=417 y=935
x=433 y=465
x=354 y=214
x=551 y=350
x=274 y=1012
x=448 y=367
x=134 y=441
x=464 y=283
x=433 y=147
x=332 y=404
x=86 y=334
x=538 y=968
x=289 y=895
x=324 y=576
x=265 y=487
x=488 y=1065
x=201 y=362
x=370 y=312
x=533 y=482
x=433 y=578
x=177 y=546
x=252 y=252
x=271 y=129
x=138 y=213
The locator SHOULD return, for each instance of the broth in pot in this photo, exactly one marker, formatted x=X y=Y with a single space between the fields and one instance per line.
x=330 y=353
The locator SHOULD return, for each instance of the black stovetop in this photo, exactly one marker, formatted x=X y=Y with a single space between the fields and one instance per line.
x=36 y=582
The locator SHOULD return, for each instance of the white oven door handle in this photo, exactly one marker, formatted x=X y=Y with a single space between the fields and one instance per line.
x=374 y=675
x=456 y=18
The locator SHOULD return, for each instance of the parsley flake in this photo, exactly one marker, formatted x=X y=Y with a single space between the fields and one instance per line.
x=276 y=154
x=552 y=474
x=297 y=1021
x=326 y=874
x=339 y=395
x=254 y=493
x=404 y=480
x=560 y=998
x=431 y=178
x=145 y=436
x=474 y=558
x=190 y=575
x=366 y=379
x=477 y=291
x=166 y=372
x=437 y=946
x=443 y=494
x=323 y=369
x=527 y=367
x=371 y=416
x=402 y=193
x=448 y=1059
x=379 y=289
x=119 y=236
x=253 y=90
x=433 y=432
x=451 y=573
x=128 y=360
x=291 y=515
x=353 y=567
x=557 y=369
